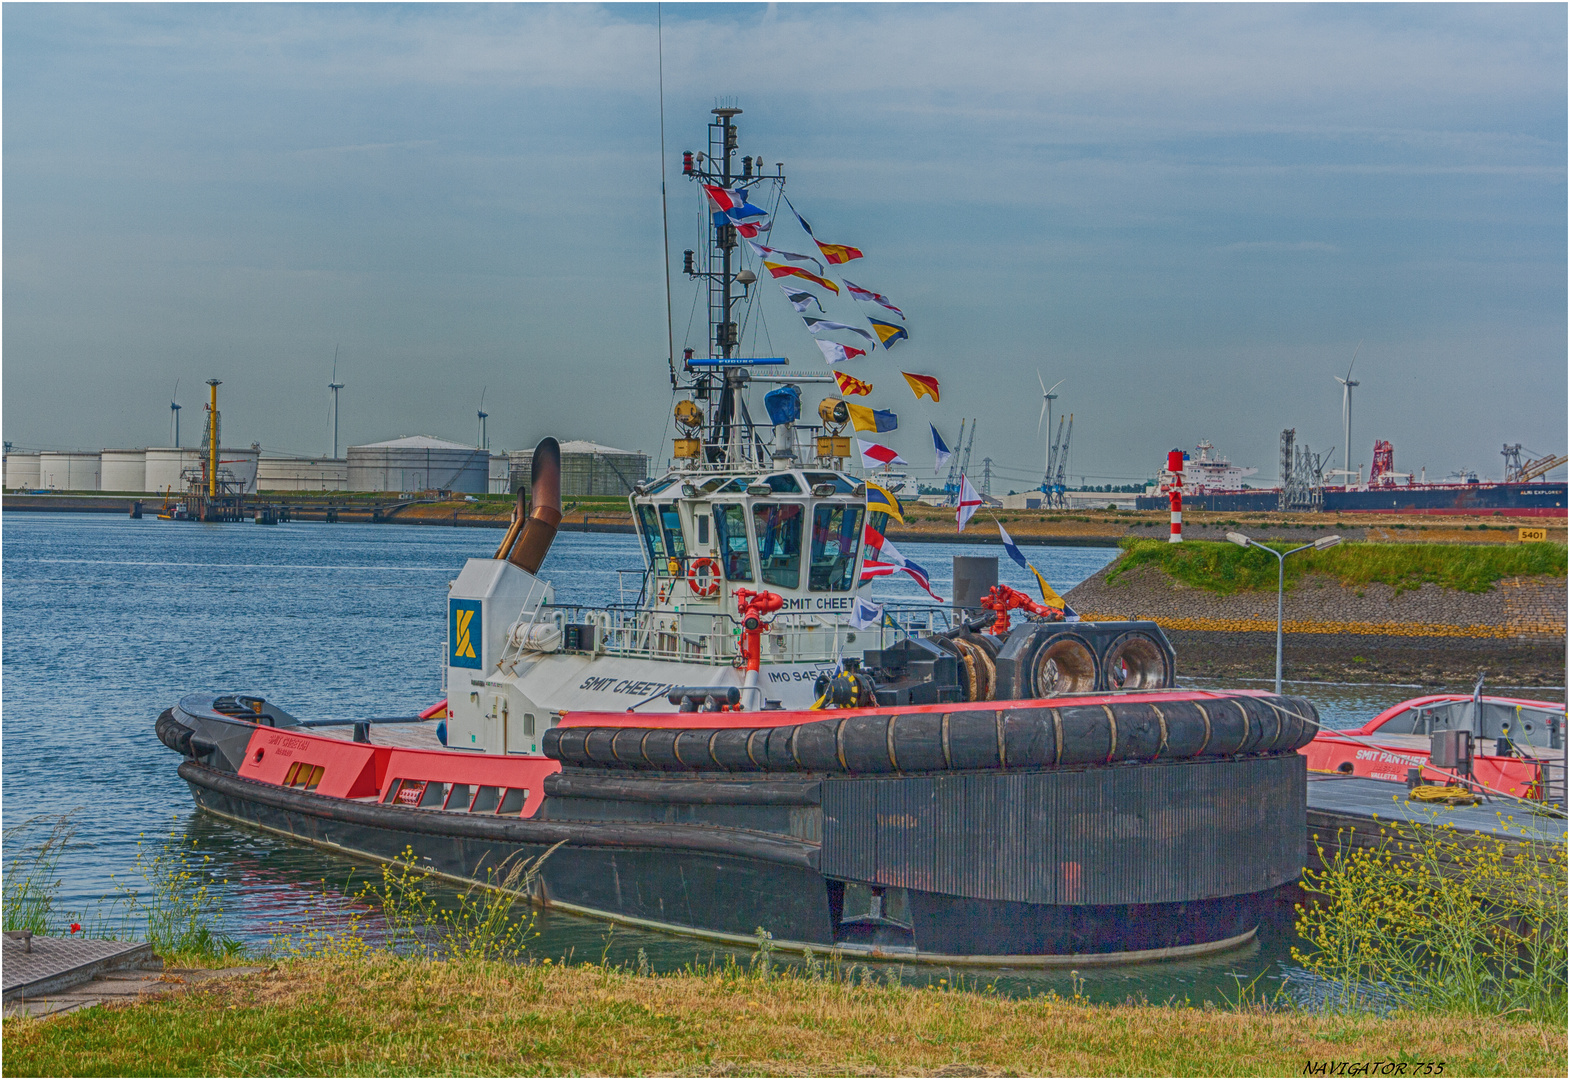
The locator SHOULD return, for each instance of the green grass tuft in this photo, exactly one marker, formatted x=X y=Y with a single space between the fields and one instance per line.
x=1225 y=569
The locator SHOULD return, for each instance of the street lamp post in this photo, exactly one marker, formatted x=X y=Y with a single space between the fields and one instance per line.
x=1281 y=578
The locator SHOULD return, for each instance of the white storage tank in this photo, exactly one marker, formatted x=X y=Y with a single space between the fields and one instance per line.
x=501 y=472
x=68 y=471
x=419 y=463
x=587 y=468
x=124 y=470
x=171 y=469
x=239 y=466
x=302 y=474
x=21 y=472
x=165 y=464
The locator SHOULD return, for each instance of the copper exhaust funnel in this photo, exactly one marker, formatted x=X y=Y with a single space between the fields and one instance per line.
x=539 y=530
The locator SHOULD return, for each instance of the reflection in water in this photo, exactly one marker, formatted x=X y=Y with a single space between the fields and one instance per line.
x=108 y=621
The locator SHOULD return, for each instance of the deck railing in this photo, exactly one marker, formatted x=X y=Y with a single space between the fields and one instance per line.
x=709 y=638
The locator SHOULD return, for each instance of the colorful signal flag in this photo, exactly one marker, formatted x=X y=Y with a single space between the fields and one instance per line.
x=863 y=418
x=923 y=385
x=849 y=384
x=816 y=325
x=887 y=332
x=858 y=293
x=833 y=352
x=969 y=502
x=780 y=270
x=874 y=456
x=882 y=501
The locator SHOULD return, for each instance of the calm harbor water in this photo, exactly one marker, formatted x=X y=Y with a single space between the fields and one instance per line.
x=107 y=621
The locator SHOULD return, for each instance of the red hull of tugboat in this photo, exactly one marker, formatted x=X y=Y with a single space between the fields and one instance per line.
x=1094 y=829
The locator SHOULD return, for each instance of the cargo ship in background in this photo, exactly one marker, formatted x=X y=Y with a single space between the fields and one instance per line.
x=1214 y=483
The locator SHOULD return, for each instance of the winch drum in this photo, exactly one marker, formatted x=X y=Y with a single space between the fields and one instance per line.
x=1135 y=662
x=1064 y=665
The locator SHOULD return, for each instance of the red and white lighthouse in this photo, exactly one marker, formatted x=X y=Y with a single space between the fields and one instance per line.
x=1173 y=482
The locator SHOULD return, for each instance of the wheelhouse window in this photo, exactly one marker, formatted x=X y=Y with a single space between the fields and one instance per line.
x=730 y=528
x=842 y=485
x=649 y=526
x=670 y=527
x=836 y=534
x=778 y=527
x=783 y=484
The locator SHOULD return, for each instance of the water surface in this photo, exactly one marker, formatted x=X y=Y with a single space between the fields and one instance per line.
x=107 y=621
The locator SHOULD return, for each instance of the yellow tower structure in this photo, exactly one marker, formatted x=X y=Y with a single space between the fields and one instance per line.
x=212 y=440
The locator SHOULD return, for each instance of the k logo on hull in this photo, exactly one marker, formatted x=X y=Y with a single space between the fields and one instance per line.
x=463 y=625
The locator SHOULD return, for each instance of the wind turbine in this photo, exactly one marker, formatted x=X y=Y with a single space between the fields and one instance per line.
x=1047 y=398
x=1346 y=416
x=482 y=414
x=174 y=411
x=335 y=386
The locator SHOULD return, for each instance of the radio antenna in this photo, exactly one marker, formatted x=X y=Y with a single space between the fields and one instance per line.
x=665 y=225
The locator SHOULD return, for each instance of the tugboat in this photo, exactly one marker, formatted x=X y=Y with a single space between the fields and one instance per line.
x=1482 y=742
x=736 y=746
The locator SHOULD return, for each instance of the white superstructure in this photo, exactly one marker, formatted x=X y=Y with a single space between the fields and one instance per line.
x=1205 y=474
x=517 y=659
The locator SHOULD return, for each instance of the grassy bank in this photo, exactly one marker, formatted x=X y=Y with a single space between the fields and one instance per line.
x=1225 y=568
x=381 y=1015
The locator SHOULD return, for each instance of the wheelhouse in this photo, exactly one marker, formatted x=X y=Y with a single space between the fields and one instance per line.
x=797 y=532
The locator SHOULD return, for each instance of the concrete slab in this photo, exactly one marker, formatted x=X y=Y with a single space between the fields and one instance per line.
x=35 y=966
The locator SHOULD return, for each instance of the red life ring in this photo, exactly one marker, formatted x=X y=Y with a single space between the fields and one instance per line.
x=702 y=586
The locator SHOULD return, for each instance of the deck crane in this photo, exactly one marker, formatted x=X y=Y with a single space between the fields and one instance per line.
x=1521 y=472
x=1531 y=470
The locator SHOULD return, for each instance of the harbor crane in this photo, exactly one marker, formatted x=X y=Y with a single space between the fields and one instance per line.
x=959 y=463
x=964 y=465
x=1054 y=485
x=1059 y=484
x=951 y=482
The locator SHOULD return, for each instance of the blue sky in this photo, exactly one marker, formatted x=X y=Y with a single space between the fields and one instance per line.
x=1193 y=215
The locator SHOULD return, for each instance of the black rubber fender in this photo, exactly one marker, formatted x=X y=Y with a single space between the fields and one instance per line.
x=173 y=734
x=1066 y=733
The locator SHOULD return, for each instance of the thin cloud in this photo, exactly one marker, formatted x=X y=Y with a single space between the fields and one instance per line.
x=1281 y=246
x=360 y=148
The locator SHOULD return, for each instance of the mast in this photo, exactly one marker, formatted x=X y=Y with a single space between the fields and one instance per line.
x=721 y=384
x=722 y=238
